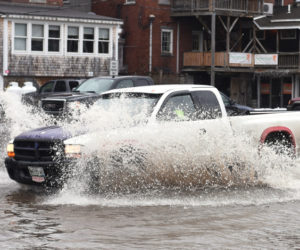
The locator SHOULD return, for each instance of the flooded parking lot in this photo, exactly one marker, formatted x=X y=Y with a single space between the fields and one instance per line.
x=248 y=218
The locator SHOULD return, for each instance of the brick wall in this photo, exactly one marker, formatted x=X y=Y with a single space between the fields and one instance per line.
x=137 y=31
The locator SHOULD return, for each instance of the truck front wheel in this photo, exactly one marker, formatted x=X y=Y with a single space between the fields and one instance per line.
x=281 y=143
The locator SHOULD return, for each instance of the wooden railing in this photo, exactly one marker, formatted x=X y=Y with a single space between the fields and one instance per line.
x=203 y=59
x=288 y=60
x=190 y=6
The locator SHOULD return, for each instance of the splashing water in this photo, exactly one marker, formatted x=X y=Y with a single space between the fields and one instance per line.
x=126 y=156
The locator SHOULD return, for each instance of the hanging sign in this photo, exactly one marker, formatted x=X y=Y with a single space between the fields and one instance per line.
x=287 y=89
x=240 y=58
x=265 y=88
x=266 y=59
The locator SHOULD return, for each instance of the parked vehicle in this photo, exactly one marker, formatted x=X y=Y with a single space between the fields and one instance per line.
x=294 y=104
x=41 y=156
x=233 y=108
x=88 y=92
x=53 y=87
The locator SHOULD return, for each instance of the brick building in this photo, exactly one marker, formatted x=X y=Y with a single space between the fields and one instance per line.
x=43 y=39
x=209 y=42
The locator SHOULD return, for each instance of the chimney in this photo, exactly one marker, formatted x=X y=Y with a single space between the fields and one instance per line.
x=289 y=8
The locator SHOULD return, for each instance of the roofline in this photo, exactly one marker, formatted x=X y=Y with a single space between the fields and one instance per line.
x=276 y=27
x=61 y=19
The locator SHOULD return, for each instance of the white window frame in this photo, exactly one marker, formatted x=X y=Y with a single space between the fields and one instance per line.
x=22 y=37
x=128 y=2
x=52 y=38
x=89 y=40
x=96 y=36
x=170 y=31
x=63 y=39
x=40 y=38
x=29 y=38
x=109 y=41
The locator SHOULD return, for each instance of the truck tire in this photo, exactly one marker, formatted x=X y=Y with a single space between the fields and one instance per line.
x=281 y=143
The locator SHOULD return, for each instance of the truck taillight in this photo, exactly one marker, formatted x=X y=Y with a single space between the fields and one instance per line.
x=10 y=150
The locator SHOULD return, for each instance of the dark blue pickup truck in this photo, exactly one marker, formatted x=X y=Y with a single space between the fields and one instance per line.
x=36 y=154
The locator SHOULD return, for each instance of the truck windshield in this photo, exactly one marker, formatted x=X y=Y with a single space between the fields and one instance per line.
x=95 y=85
x=133 y=104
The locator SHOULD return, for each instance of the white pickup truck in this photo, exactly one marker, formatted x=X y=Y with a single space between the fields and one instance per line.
x=42 y=156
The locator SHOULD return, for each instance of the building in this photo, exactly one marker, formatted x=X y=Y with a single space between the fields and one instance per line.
x=218 y=42
x=54 y=39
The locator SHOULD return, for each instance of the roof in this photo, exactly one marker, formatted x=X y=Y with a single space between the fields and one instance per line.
x=46 y=12
x=159 y=89
x=281 y=19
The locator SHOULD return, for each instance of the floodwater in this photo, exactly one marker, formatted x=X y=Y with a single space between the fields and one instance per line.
x=170 y=211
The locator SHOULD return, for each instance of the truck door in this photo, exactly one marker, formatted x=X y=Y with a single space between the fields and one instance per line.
x=197 y=111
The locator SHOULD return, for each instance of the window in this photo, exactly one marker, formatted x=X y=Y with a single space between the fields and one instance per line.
x=37 y=39
x=20 y=37
x=287 y=34
x=129 y=1
x=73 y=84
x=197 y=39
x=124 y=84
x=141 y=82
x=73 y=39
x=103 y=41
x=167 y=41
x=60 y=86
x=47 y=87
x=178 y=108
x=54 y=38
x=88 y=40
x=209 y=107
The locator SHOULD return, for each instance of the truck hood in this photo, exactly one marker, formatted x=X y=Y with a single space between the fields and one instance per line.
x=74 y=96
x=45 y=133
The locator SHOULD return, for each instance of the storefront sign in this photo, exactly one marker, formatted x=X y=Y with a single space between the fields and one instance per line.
x=265 y=88
x=266 y=59
x=240 y=58
x=287 y=89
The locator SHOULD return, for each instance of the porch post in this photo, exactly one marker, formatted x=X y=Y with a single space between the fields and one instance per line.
x=258 y=92
x=213 y=47
x=5 y=47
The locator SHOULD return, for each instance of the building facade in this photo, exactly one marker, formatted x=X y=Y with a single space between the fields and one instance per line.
x=51 y=40
x=213 y=42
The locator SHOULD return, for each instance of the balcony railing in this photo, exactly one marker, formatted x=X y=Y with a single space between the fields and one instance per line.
x=203 y=59
x=190 y=6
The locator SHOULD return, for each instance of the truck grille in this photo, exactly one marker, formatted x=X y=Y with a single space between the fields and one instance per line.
x=53 y=105
x=37 y=150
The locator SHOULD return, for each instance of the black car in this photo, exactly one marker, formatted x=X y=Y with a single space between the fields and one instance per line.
x=89 y=91
x=233 y=108
x=51 y=88
x=294 y=104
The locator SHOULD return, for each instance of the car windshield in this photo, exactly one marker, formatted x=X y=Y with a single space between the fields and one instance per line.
x=95 y=85
x=136 y=105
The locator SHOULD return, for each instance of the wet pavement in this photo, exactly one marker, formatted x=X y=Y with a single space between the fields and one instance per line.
x=248 y=218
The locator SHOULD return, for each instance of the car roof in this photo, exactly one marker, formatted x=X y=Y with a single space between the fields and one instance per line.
x=120 y=77
x=159 y=89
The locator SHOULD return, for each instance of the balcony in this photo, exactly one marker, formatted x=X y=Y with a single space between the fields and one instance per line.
x=222 y=59
x=192 y=7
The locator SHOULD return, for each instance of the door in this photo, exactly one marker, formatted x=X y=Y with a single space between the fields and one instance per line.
x=195 y=116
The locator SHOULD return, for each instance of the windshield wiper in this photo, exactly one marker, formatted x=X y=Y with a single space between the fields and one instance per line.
x=90 y=91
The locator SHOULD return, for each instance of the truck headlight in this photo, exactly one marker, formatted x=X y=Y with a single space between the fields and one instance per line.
x=10 y=150
x=73 y=150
